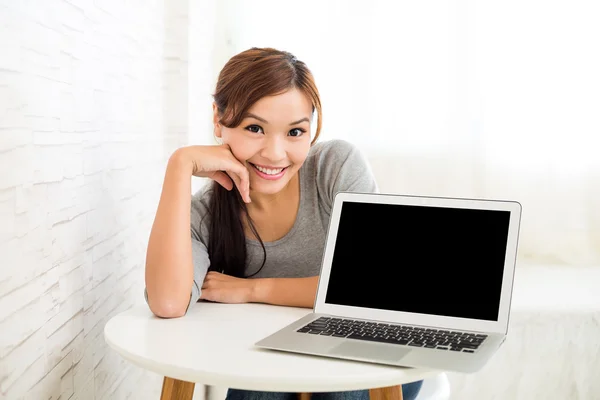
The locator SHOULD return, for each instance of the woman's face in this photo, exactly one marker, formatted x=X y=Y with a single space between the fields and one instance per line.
x=273 y=140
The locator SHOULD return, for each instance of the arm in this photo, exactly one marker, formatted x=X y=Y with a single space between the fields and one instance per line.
x=169 y=267
x=176 y=260
x=293 y=292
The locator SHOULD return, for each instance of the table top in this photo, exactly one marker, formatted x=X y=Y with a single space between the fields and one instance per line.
x=214 y=345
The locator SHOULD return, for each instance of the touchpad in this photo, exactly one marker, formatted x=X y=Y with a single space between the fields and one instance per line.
x=369 y=351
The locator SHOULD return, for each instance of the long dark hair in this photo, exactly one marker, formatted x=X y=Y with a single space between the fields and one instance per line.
x=246 y=78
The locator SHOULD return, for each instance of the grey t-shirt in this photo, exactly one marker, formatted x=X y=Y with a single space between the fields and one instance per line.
x=331 y=166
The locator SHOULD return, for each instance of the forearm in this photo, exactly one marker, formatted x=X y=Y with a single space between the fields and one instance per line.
x=293 y=292
x=169 y=268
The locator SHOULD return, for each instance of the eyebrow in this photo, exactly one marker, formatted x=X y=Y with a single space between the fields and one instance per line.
x=250 y=115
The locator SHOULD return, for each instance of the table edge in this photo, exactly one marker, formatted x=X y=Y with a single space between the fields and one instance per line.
x=254 y=383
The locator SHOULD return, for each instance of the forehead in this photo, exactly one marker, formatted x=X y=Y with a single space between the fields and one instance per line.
x=292 y=104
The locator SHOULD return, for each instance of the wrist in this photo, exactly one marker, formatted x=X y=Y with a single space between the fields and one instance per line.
x=260 y=289
x=180 y=162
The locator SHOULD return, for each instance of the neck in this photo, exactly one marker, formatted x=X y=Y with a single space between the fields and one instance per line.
x=263 y=202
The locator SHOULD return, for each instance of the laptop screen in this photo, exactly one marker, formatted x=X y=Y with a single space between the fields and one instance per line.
x=419 y=259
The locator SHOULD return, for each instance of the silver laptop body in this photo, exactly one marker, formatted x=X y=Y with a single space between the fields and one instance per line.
x=411 y=281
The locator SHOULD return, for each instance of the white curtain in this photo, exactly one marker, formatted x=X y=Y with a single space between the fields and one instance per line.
x=463 y=98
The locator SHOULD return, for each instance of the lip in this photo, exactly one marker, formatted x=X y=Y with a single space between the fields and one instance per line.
x=267 y=166
x=266 y=176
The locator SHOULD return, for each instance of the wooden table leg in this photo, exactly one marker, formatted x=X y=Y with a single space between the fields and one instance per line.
x=174 y=389
x=304 y=396
x=386 y=393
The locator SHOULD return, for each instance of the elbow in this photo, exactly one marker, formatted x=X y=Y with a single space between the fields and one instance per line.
x=167 y=309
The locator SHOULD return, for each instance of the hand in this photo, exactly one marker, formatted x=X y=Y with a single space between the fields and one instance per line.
x=226 y=288
x=218 y=163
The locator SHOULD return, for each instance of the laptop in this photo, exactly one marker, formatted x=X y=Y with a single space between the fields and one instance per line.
x=411 y=281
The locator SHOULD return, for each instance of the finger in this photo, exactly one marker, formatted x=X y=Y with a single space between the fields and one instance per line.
x=207 y=294
x=244 y=176
x=239 y=173
x=214 y=280
x=241 y=186
x=216 y=276
x=215 y=295
x=208 y=283
x=222 y=179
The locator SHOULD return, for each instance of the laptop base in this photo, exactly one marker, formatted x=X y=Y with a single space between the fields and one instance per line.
x=289 y=340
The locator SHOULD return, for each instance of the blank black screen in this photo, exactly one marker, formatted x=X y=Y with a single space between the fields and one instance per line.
x=418 y=259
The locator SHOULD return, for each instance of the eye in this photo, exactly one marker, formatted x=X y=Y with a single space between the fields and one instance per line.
x=296 y=132
x=254 y=128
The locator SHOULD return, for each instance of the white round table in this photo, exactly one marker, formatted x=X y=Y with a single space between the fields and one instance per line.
x=214 y=345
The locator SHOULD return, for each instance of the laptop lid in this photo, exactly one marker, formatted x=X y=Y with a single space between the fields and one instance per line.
x=440 y=262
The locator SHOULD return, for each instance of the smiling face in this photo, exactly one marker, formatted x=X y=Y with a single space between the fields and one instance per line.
x=273 y=140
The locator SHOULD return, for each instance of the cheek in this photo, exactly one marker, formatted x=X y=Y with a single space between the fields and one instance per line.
x=242 y=153
x=241 y=149
x=299 y=153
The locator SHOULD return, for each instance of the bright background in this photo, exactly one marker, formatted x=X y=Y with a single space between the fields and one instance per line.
x=458 y=98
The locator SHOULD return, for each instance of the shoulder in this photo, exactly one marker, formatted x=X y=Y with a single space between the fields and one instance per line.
x=330 y=158
x=338 y=165
x=332 y=151
x=337 y=158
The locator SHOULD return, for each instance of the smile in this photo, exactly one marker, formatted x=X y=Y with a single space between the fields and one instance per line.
x=269 y=173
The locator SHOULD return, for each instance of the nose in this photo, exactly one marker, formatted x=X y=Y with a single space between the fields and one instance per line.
x=274 y=149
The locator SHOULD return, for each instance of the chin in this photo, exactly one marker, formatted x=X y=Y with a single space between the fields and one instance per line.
x=272 y=188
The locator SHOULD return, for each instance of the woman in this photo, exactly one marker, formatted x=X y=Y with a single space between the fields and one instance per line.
x=258 y=229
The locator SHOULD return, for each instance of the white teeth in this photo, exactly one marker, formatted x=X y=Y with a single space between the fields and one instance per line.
x=269 y=171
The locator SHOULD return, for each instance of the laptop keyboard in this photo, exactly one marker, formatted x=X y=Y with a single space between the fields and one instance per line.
x=395 y=334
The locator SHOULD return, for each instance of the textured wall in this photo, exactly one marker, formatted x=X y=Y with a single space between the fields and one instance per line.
x=93 y=98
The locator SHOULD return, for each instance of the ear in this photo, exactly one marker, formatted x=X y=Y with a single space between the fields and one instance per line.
x=216 y=121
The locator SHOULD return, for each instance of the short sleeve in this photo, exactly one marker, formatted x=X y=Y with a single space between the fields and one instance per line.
x=199 y=229
x=342 y=167
x=201 y=264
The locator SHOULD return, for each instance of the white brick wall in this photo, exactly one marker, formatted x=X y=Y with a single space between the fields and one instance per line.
x=93 y=98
